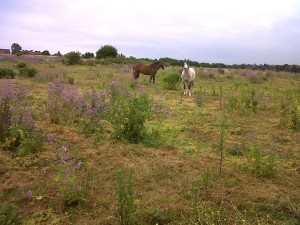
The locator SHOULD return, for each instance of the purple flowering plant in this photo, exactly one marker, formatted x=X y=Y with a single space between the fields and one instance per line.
x=68 y=105
x=17 y=130
x=94 y=109
x=64 y=102
x=70 y=179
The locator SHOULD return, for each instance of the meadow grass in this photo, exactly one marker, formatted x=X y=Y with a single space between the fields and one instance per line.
x=177 y=176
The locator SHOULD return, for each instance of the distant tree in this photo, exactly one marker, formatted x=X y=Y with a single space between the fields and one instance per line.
x=121 y=56
x=46 y=52
x=57 y=54
x=107 y=51
x=88 y=55
x=15 y=48
x=72 y=58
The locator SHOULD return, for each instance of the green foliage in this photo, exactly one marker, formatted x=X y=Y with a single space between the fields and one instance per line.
x=290 y=113
x=153 y=139
x=72 y=58
x=6 y=73
x=71 y=80
x=125 y=197
x=23 y=141
x=243 y=103
x=107 y=51
x=171 y=81
x=15 y=48
x=21 y=65
x=128 y=115
x=8 y=215
x=72 y=179
x=88 y=55
x=46 y=52
x=263 y=162
x=5 y=119
x=28 y=72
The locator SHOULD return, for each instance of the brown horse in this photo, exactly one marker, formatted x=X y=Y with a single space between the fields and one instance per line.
x=147 y=70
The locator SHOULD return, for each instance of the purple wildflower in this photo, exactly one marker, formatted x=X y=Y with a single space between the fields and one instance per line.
x=29 y=195
x=65 y=158
x=68 y=172
x=78 y=165
x=266 y=152
x=51 y=139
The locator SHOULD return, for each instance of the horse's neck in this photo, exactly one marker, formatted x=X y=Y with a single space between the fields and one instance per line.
x=156 y=67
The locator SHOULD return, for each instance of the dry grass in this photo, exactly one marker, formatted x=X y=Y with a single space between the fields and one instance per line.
x=164 y=176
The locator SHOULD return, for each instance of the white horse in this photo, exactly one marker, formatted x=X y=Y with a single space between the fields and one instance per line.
x=188 y=76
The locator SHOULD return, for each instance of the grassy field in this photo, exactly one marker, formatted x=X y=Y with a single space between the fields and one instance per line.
x=173 y=175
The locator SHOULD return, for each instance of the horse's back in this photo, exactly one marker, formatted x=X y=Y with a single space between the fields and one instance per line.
x=142 y=68
x=193 y=74
x=189 y=76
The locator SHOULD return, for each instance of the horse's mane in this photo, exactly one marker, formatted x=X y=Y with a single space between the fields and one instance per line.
x=153 y=64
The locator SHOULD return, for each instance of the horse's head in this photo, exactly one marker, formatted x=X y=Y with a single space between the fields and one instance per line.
x=162 y=65
x=186 y=66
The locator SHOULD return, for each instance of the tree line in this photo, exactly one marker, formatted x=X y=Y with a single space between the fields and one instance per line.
x=110 y=52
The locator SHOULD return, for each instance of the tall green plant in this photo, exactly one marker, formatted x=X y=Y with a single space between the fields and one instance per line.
x=290 y=113
x=128 y=114
x=125 y=197
x=171 y=81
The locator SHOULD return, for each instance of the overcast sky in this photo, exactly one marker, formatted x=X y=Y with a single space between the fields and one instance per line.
x=213 y=31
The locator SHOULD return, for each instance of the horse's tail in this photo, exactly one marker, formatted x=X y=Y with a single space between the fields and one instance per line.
x=133 y=71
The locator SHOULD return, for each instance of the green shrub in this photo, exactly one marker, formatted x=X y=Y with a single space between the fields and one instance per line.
x=128 y=115
x=263 y=162
x=7 y=73
x=171 y=81
x=290 y=114
x=21 y=65
x=72 y=58
x=8 y=215
x=23 y=141
x=28 y=72
x=125 y=197
x=107 y=51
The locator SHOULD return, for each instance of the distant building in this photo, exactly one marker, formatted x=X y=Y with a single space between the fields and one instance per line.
x=4 y=51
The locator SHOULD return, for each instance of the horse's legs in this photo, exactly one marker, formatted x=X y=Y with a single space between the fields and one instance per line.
x=136 y=75
x=184 y=89
x=152 y=78
x=190 y=84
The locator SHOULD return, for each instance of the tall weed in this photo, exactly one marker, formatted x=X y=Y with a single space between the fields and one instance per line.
x=125 y=197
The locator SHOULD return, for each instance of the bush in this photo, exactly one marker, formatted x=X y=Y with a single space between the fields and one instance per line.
x=128 y=114
x=7 y=73
x=290 y=113
x=107 y=51
x=171 y=81
x=17 y=131
x=21 y=65
x=72 y=58
x=8 y=215
x=28 y=72
x=24 y=141
x=64 y=102
x=263 y=162
x=254 y=78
